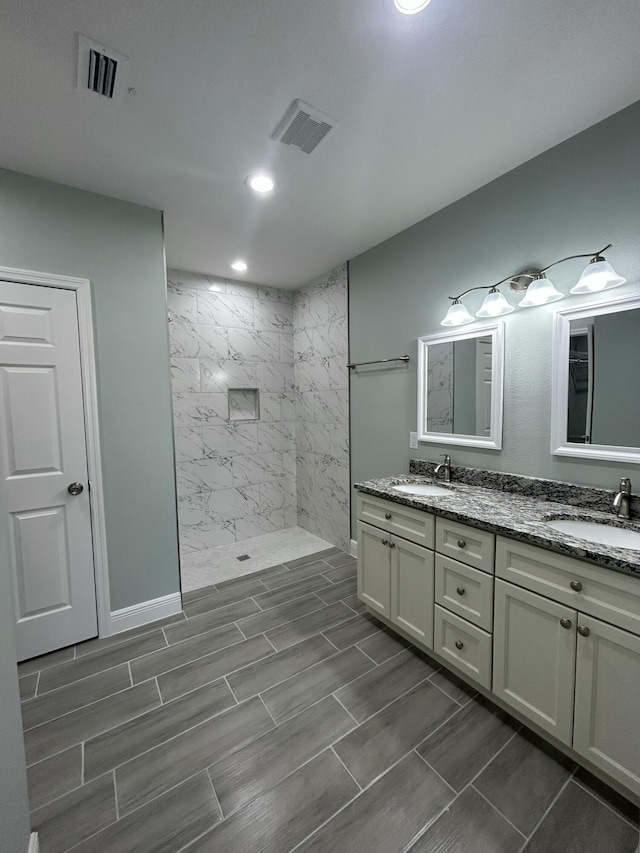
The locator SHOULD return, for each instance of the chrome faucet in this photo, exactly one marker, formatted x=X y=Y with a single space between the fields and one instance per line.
x=622 y=501
x=445 y=467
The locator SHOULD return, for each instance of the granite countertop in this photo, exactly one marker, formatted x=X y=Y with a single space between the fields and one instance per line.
x=514 y=515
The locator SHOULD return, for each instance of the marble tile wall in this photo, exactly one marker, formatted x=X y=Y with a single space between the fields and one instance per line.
x=320 y=349
x=440 y=388
x=235 y=480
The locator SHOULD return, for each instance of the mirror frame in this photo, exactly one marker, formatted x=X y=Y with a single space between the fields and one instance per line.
x=494 y=440
x=560 y=382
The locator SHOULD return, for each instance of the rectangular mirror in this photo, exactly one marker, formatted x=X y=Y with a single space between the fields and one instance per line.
x=595 y=410
x=460 y=387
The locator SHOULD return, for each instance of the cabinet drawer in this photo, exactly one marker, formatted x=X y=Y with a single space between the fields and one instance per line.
x=611 y=596
x=411 y=524
x=474 y=656
x=467 y=544
x=465 y=591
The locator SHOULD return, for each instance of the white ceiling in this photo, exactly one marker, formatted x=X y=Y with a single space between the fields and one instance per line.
x=430 y=107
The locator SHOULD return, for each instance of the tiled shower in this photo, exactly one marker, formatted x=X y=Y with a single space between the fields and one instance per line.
x=240 y=472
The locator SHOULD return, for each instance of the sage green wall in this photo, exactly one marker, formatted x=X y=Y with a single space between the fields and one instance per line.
x=573 y=198
x=14 y=806
x=120 y=248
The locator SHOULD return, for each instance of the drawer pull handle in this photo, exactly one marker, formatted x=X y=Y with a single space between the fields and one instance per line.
x=462 y=543
x=459 y=644
x=392 y=544
x=387 y=515
x=566 y=623
x=576 y=586
x=583 y=630
x=385 y=541
x=461 y=590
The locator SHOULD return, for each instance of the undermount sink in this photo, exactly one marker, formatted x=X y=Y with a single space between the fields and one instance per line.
x=602 y=533
x=422 y=489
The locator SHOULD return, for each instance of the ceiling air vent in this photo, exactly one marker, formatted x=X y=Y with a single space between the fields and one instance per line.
x=303 y=126
x=100 y=69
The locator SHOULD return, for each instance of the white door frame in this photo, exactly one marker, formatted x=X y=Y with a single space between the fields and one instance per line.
x=82 y=288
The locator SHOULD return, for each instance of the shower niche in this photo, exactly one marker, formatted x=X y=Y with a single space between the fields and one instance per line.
x=244 y=404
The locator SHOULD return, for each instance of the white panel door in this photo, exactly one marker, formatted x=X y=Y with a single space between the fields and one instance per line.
x=43 y=451
x=484 y=361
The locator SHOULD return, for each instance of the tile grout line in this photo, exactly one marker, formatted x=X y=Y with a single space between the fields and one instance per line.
x=37 y=684
x=216 y=799
x=130 y=673
x=82 y=764
x=73 y=711
x=606 y=804
x=346 y=709
x=269 y=713
x=162 y=702
x=115 y=792
x=226 y=681
x=347 y=804
x=496 y=809
x=356 y=646
x=546 y=812
x=345 y=767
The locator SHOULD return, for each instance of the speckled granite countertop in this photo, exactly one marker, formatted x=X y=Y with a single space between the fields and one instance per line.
x=513 y=515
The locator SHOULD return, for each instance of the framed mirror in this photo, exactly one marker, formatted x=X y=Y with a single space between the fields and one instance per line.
x=460 y=382
x=595 y=409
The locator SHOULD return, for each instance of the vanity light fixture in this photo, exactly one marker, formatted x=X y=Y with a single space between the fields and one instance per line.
x=411 y=7
x=537 y=288
x=260 y=183
x=239 y=266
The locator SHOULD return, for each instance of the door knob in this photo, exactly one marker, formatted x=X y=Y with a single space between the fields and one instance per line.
x=566 y=623
x=583 y=630
x=75 y=488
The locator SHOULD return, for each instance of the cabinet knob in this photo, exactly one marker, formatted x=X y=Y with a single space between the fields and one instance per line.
x=461 y=590
x=583 y=630
x=392 y=544
x=387 y=515
x=385 y=541
x=462 y=543
x=459 y=644
x=566 y=623
x=576 y=586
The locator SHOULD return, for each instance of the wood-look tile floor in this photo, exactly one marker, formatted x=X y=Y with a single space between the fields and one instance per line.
x=275 y=715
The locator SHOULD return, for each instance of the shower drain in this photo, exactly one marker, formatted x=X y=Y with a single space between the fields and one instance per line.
x=243 y=557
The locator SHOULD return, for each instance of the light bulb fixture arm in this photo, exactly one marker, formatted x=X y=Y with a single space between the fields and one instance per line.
x=486 y=286
x=572 y=257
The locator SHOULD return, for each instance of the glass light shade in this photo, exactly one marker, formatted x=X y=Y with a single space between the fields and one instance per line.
x=494 y=305
x=457 y=315
x=410 y=7
x=598 y=275
x=539 y=292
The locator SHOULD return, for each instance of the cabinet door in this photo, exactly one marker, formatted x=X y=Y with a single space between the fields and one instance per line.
x=374 y=571
x=534 y=657
x=412 y=589
x=607 y=700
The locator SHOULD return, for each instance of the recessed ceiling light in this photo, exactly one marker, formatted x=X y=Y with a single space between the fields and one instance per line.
x=260 y=183
x=239 y=266
x=410 y=7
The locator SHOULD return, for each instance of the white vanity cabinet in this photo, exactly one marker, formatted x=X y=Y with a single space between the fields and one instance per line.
x=574 y=675
x=553 y=638
x=395 y=574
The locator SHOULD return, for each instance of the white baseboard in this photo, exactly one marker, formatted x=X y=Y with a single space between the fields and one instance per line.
x=34 y=843
x=145 y=612
x=353 y=548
